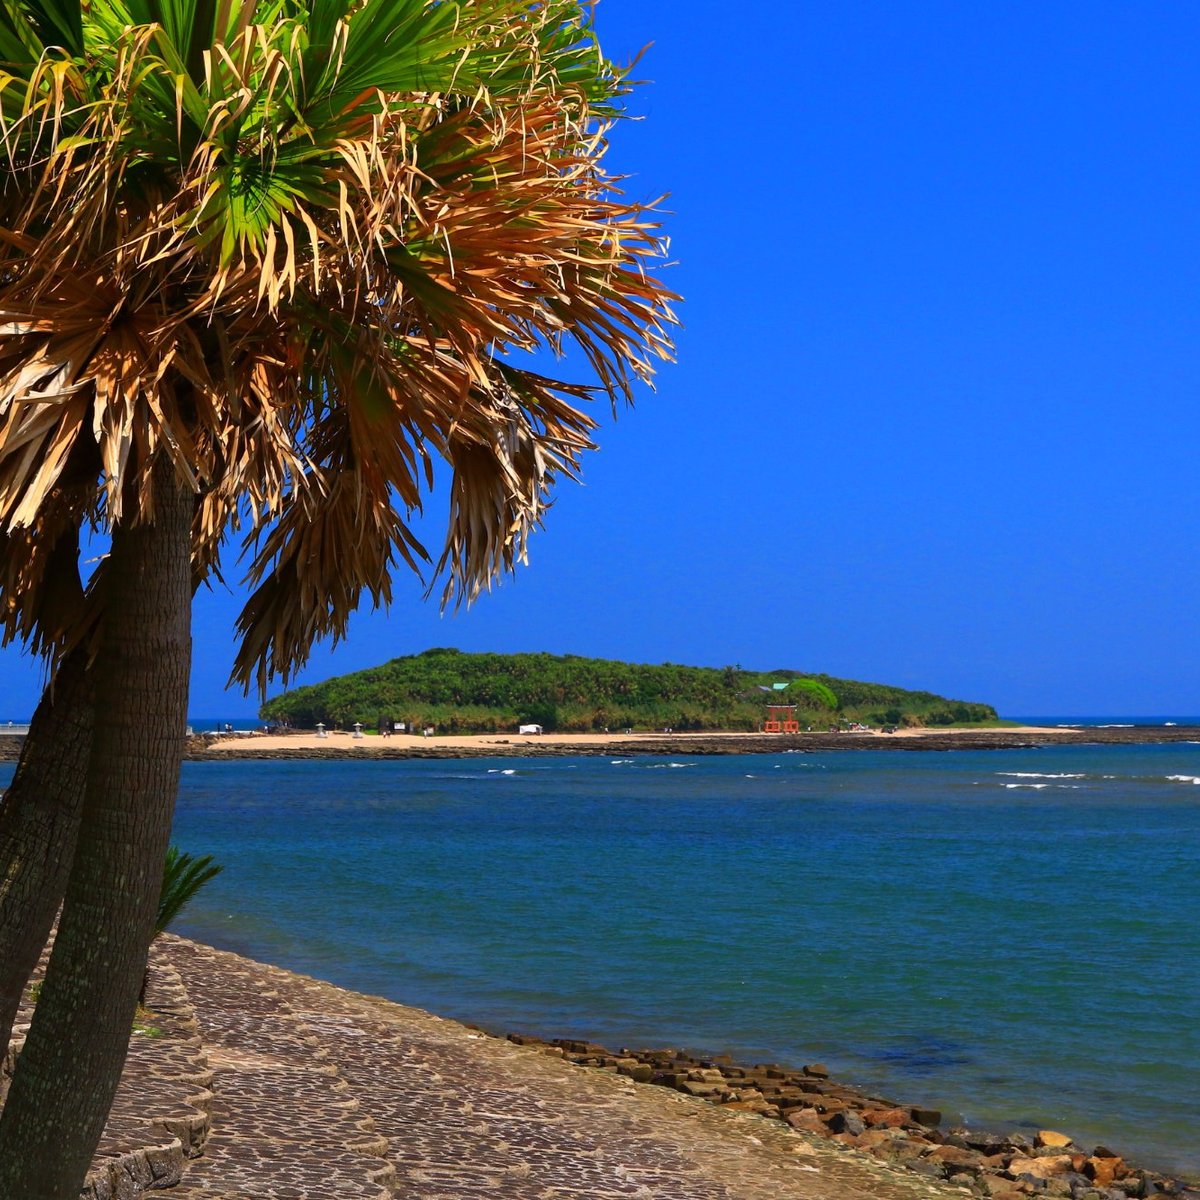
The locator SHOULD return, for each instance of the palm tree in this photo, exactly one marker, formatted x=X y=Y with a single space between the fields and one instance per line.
x=262 y=266
x=39 y=821
x=40 y=812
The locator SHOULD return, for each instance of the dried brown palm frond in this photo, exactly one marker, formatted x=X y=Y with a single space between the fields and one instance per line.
x=292 y=256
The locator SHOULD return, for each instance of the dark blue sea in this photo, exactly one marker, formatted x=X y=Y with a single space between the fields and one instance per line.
x=1013 y=936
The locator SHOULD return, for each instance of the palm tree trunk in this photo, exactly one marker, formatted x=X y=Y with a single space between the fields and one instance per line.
x=39 y=821
x=69 y=1069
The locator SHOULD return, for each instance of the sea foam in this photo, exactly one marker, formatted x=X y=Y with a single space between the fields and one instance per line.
x=1041 y=775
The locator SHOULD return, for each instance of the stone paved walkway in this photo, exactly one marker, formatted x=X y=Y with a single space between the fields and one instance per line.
x=323 y=1093
x=160 y=1113
x=285 y=1124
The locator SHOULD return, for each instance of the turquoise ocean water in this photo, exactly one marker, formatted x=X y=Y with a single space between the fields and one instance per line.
x=1011 y=935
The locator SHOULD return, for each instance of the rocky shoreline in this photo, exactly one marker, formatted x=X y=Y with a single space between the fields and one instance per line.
x=664 y=746
x=200 y=747
x=990 y=1166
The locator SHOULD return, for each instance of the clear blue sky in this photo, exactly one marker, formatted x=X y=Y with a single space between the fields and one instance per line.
x=934 y=418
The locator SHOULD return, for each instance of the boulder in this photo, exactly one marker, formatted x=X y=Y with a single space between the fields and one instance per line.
x=817 y=1070
x=956 y=1160
x=994 y=1185
x=746 y=1105
x=1041 y=1167
x=987 y=1143
x=846 y=1122
x=806 y=1120
x=927 y=1166
x=930 y=1117
x=872 y=1139
x=906 y=1150
x=1051 y=1137
x=1103 y=1171
x=886 y=1118
x=1140 y=1183
x=1029 y=1184
x=701 y=1087
x=589 y=1049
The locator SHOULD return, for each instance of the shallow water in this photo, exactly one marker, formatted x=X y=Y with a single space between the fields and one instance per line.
x=1011 y=935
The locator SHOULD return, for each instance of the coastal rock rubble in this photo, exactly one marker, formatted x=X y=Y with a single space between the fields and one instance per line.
x=988 y=1165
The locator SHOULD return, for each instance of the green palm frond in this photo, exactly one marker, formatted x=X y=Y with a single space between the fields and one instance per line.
x=298 y=248
x=183 y=877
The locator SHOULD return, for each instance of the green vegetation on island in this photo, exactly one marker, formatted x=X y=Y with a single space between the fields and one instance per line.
x=486 y=693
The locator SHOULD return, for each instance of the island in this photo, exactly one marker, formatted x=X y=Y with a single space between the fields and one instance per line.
x=454 y=692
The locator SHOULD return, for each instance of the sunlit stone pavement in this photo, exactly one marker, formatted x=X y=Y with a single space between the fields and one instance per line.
x=319 y=1092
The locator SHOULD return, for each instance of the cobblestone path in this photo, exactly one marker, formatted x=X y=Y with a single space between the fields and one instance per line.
x=285 y=1124
x=160 y=1113
x=323 y=1093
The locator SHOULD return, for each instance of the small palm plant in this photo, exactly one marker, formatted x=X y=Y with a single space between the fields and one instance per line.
x=183 y=877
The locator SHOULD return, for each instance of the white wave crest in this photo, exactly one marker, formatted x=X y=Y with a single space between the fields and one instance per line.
x=1184 y=778
x=1040 y=775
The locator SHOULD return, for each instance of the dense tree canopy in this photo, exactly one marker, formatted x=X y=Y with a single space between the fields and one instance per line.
x=457 y=691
